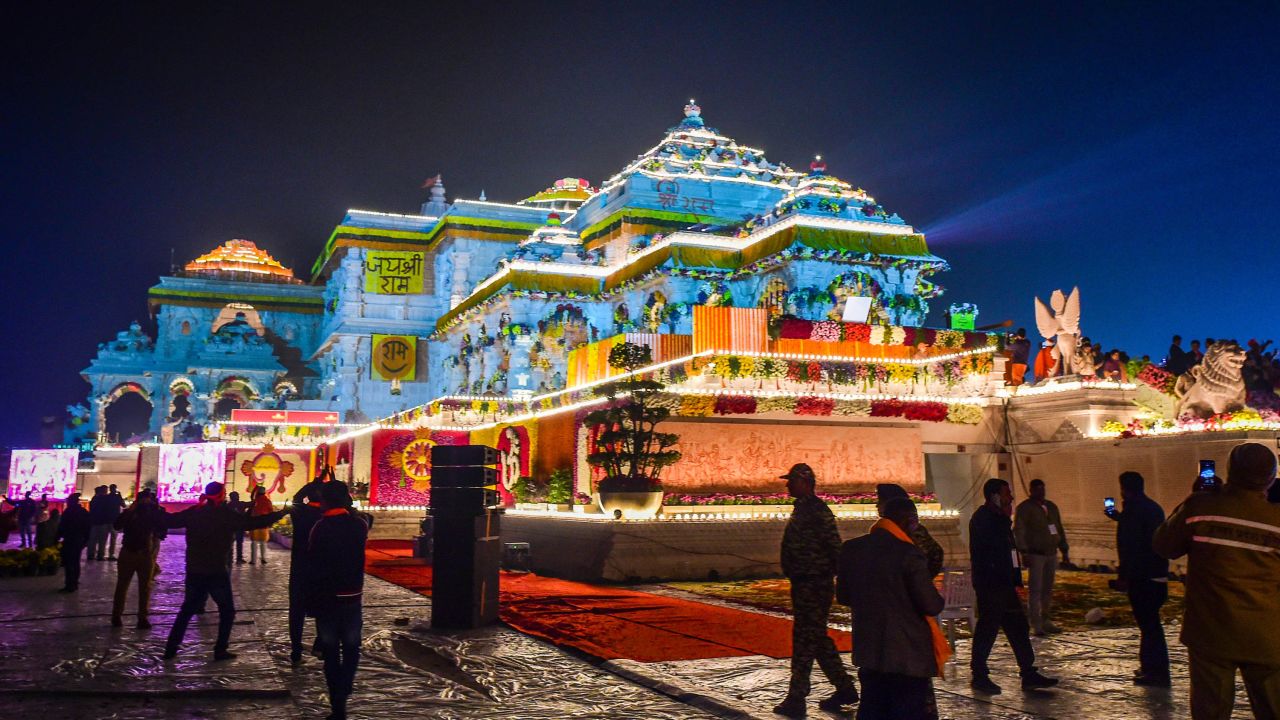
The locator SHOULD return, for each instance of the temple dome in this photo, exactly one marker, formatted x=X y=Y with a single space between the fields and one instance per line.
x=564 y=194
x=240 y=260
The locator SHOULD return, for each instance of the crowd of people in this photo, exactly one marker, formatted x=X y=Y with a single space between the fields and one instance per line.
x=326 y=573
x=1261 y=370
x=1229 y=533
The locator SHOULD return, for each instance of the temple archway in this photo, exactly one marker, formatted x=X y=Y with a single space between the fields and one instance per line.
x=126 y=413
x=232 y=393
x=180 y=392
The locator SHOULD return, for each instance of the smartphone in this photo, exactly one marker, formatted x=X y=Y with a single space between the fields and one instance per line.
x=1207 y=469
x=1108 y=504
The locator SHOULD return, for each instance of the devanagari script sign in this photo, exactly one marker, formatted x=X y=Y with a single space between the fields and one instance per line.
x=394 y=272
x=395 y=357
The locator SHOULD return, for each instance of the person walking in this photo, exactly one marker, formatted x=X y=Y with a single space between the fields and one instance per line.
x=142 y=525
x=101 y=520
x=1231 y=539
x=259 y=506
x=242 y=507
x=897 y=644
x=73 y=530
x=996 y=578
x=810 y=549
x=933 y=553
x=211 y=528
x=28 y=511
x=307 y=510
x=335 y=578
x=116 y=505
x=1038 y=531
x=1143 y=575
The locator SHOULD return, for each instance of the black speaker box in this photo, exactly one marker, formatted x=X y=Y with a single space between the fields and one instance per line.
x=463 y=501
x=464 y=584
x=442 y=455
x=449 y=476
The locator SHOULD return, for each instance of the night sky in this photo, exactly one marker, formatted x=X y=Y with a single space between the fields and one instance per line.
x=1129 y=149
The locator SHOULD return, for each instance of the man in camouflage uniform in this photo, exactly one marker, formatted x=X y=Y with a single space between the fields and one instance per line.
x=810 y=549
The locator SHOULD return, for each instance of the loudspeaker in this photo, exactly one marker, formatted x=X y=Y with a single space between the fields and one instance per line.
x=462 y=502
x=442 y=455
x=464 y=582
x=449 y=476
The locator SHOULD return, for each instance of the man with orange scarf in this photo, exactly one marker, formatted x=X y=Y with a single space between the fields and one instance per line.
x=897 y=645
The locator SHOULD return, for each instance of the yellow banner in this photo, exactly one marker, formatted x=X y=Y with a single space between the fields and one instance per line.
x=395 y=357
x=393 y=272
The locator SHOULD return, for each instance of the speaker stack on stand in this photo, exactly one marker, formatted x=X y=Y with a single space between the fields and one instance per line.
x=466 y=544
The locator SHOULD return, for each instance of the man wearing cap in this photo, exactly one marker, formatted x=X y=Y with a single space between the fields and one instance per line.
x=810 y=549
x=1232 y=543
x=211 y=530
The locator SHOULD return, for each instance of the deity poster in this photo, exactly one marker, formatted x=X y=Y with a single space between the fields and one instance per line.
x=394 y=357
x=184 y=470
x=393 y=272
x=43 y=472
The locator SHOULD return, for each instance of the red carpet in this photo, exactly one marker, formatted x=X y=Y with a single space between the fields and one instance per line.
x=607 y=622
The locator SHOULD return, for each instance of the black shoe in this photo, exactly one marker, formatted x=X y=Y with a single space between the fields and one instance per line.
x=983 y=684
x=116 y=621
x=295 y=658
x=220 y=655
x=1035 y=681
x=239 y=561
x=1156 y=681
x=792 y=707
x=66 y=590
x=144 y=624
x=839 y=700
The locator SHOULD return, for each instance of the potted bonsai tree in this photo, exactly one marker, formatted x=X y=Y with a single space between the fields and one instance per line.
x=628 y=448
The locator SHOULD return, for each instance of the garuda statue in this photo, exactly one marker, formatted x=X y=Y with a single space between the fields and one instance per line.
x=1061 y=324
x=1215 y=385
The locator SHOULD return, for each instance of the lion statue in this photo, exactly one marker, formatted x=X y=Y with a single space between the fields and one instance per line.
x=1215 y=385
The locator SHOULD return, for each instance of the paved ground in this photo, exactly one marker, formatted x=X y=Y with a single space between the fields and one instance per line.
x=59 y=656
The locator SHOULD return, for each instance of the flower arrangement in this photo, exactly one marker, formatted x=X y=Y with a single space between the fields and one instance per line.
x=776 y=404
x=949 y=338
x=711 y=499
x=735 y=405
x=814 y=406
x=697 y=406
x=964 y=414
x=1158 y=378
x=825 y=331
x=856 y=332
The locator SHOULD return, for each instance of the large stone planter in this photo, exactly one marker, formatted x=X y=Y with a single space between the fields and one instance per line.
x=630 y=505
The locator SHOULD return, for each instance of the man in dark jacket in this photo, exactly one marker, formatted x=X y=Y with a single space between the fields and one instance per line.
x=810 y=548
x=886 y=582
x=306 y=512
x=933 y=552
x=28 y=511
x=1144 y=575
x=242 y=507
x=115 y=506
x=101 y=521
x=335 y=585
x=73 y=530
x=211 y=528
x=996 y=577
x=1231 y=539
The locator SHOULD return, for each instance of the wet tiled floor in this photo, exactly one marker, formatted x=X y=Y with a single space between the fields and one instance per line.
x=59 y=655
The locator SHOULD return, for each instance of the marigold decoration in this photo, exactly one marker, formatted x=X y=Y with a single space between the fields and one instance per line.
x=697 y=406
x=415 y=460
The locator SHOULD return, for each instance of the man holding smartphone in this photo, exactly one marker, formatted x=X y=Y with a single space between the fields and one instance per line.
x=1143 y=575
x=1231 y=539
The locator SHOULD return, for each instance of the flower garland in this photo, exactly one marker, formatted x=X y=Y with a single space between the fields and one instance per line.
x=1247 y=419
x=706 y=499
x=916 y=411
x=1158 y=378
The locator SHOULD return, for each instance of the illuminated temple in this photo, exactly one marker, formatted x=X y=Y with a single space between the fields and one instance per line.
x=783 y=307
